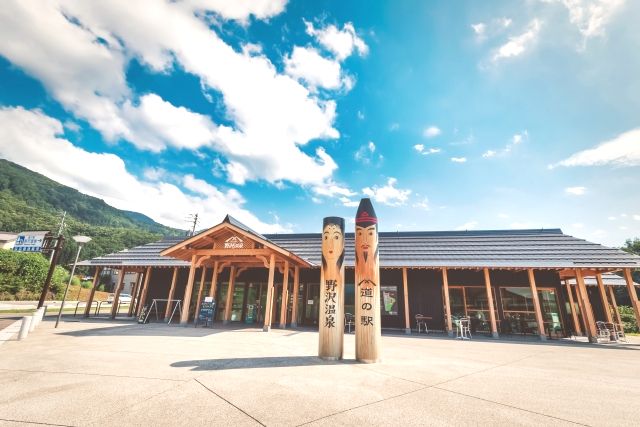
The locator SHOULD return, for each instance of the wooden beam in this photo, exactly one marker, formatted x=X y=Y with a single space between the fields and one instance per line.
x=230 y=289
x=201 y=289
x=574 y=315
x=96 y=279
x=116 y=298
x=536 y=304
x=233 y=252
x=590 y=323
x=285 y=296
x=603 y=296
x=134 y=291
x=294 y=308
x=184 y=316
x=172 y=291
x=143 y=292
x=633 y=295
x=269 y=302
x=612 y=295
x=214 y=281
x=492 y=314
x=405 y=287
x=447 y=301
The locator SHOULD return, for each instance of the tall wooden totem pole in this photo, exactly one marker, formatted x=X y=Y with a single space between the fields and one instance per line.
x=368 y=333
x=331 y=345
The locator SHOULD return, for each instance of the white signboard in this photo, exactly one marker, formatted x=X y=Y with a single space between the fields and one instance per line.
x=233 y=242
x=29 y=241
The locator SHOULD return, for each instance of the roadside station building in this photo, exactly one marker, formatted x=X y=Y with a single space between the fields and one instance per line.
x=538 y=282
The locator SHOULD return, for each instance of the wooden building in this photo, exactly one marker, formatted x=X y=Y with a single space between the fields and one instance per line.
x=508 y=282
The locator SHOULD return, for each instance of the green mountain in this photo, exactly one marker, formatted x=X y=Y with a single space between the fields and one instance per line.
x=30 y=201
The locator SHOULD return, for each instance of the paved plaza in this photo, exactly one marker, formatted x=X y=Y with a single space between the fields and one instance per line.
x=121 y=373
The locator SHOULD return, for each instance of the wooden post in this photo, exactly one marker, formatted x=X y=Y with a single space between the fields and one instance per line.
x=186 y=302
x=603 y=296
x=536 y=304
x=269 y=307
x=633 y=295
x=367 y=291
x=405 y=287
x=285 y=296
x=214 y=281
x=331 y=319
x=134 y=291
x=230 y=289
x=590 y=323
x=294 y=308
x=145 y=289
x=96 y=279
x=172 y=291
x=116 y=298
x=201 y=290
x=615 y=306
x=574 y=315
x=492 y=314
x=447 y=301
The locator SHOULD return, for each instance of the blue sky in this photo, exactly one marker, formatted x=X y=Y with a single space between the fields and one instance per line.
x=448 y=115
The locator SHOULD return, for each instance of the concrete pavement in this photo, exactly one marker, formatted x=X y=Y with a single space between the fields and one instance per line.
x=121 y=373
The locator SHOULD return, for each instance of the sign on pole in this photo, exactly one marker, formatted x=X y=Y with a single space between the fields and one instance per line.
x=30 y=241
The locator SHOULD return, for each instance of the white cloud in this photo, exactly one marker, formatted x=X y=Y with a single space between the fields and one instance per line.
x=388 y=194
x=479 y=29
x=516 y=140
x=503 y=216
x=612 y=218
x=488 y=154
x=576 y=191
x=636 y=217
x=366 y=153
x=394 y=127
x=154 y=174
x=349 y=203
x=486 y=30
x=467 y=225
x=517 y=45
x=342 y=43
x=240 y=10
x=305 y=63
x=420 y=148
x=423 y=204
x=519 y=138
x=431 y=132
x=458 y=159
x=360 y=115
x=623 y=150
x=34 y=140
x=591 y=16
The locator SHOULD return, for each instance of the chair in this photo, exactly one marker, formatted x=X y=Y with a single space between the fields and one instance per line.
x=349 y=320
x=421 y=321
x=463 y=332
x=617 y=332
x=602 y=330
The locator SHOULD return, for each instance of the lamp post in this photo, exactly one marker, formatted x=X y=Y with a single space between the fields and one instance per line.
x=80 y=240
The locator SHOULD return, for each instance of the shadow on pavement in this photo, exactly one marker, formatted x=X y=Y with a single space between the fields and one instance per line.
x=152 y=329
x=258 y=362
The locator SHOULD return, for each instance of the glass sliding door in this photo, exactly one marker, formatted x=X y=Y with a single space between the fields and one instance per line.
x=520 y=314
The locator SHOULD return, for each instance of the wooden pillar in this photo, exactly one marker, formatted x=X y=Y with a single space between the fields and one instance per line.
x=603 y=296
x=492 y=314
x=269 y=307
x=285 y=296
x=405 y=287
x=172 y=291
x=536 y=304
x=134 y=291
x=186 y=302
x=296 y=285
x=96 y=279
x=447 y=301
x=615 y=306
x=116 y=298
x=145 y=289
x=574 y=315
x=590 y=323
x=230 y=289
x=214 y=281
x=201 y=290
x=633 y=295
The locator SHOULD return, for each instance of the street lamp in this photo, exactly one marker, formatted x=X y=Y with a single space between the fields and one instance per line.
x=80 y=240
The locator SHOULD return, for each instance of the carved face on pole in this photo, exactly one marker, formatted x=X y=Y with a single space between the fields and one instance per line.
x=333 y=242
x=366 y=234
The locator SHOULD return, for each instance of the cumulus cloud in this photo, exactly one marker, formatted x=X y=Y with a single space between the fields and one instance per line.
x=431 y=132
x=517 y=45
x=305 y=63
x=485 y=30
x=623 y=150
x=342 y=43
x=239 y=10
x=489 y=154
x=591 y=16
x=367 y=153
x=420 y=148
x=458 y=159
x=575 y=191
x=36 y=141
x=388 y=194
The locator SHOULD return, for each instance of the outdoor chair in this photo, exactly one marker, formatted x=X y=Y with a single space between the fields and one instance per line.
x=617 y=331
x=602 y=330
x=421 y=321
x=463 y=332
x=349 y=321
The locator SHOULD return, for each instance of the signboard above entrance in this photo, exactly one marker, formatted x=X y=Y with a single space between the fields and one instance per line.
x=233 y=242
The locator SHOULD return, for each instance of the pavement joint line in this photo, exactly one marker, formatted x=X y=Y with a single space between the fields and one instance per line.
x=230 y=403
x=94 y=375
x=36 y=422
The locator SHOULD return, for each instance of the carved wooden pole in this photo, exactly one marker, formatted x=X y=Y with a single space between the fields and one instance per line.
x=331 y=322
x=367 y=275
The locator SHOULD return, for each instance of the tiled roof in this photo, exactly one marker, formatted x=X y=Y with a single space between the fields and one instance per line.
x=608 y=279
x=502 y=248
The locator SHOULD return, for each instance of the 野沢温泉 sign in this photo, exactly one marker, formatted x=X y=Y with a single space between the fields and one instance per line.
x=331 y=334
x=367 y=292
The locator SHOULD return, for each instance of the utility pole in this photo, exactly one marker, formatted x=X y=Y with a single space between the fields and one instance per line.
x=54 y=260
x=193 y=218
x=60 y=228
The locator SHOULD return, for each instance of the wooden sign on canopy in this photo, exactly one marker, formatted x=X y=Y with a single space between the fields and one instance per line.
x=367 y=275
x=331 y=337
